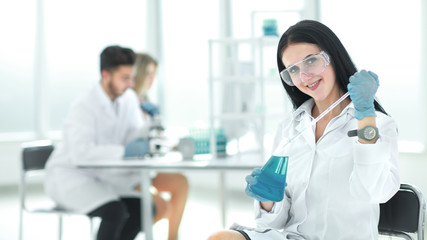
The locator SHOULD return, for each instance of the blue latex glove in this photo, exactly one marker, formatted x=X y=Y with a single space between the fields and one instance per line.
x=150 y=108
x=362 y=88
x=251 y=181
x=136 y=148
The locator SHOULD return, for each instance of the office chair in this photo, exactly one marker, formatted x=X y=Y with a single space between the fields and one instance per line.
x=403 y=215
x=34 y=157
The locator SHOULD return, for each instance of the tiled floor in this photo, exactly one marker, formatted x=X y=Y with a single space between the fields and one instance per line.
x=201 y=217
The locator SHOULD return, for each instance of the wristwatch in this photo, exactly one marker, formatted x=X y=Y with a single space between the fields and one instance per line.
x=367 y=133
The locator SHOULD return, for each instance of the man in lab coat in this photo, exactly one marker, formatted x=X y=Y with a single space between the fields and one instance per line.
x=102 y=124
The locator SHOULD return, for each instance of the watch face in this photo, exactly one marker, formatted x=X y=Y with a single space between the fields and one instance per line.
x=369 y=133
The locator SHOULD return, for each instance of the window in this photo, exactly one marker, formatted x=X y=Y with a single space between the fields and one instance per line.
x=386 y=40
x=76 y=33
x=248 y=15
x=53 y=50
x=184 y=67
x=16 y=66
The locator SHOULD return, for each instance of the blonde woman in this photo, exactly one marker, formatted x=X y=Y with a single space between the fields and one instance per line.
x=173 y=183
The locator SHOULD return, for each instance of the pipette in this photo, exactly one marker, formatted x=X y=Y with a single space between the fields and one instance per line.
x=271 y=181
x=280 y=149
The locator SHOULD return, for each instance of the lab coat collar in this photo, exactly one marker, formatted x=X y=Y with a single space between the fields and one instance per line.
x=105 y=102
x=350 y=109
x=104 y=99
x=102 y=96
x=303 y=118
x=342 y=118
x=307 y=107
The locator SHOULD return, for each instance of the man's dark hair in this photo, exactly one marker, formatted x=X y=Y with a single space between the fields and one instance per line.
x=114 y=56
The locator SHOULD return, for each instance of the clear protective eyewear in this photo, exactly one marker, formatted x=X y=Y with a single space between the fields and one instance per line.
x=311 y=65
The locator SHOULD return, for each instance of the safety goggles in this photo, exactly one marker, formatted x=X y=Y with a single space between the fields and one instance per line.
x=310 y=66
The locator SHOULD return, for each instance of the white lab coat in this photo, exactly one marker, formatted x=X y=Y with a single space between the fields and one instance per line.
x=335 y=185
x=96 y=129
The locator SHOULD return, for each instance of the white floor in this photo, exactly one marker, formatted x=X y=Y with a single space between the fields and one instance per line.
x=201 y=217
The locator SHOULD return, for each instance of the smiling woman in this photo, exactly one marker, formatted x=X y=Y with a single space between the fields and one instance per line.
x=311 y=65
x=335 y=190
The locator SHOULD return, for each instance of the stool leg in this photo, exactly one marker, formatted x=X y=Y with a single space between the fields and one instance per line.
x=60 y=227
x=21 y=215
x=92 y=234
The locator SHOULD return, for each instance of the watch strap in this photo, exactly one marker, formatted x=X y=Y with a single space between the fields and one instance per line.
x=352 y=133
x=360 y=133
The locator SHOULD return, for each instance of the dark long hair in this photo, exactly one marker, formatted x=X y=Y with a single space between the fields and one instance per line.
x=309 y=31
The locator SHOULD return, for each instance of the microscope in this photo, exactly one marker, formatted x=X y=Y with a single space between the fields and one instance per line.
x=156 y=138
x=158 y=144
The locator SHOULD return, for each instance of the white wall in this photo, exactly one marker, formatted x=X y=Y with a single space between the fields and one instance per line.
x=413 y=165
x=9 y=151
x=9 y=162
x=413 y=170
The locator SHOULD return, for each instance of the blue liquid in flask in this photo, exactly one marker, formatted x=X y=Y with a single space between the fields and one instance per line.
x=272 y=180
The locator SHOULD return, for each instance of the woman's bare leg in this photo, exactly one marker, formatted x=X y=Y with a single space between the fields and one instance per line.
x=162 y=208
x=227 y=235
x=177 y=186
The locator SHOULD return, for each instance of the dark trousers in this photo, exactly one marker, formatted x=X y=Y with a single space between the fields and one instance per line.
x=120 y=220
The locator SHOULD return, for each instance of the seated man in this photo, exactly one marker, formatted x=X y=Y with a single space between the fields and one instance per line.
x=103 y=124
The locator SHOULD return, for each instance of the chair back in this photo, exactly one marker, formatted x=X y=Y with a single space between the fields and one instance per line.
x=35 y=155
x=403 y=213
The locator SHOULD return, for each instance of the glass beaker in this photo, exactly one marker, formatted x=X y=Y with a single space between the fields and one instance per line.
x=272 y=179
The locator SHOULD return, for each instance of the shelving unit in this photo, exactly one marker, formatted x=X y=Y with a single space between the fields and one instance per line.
x=239 y=71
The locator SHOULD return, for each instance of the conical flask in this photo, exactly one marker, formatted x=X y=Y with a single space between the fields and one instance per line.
x=272 y=179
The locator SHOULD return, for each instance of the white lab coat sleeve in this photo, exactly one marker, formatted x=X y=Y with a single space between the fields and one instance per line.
x=279 y=214
x=138 y=126
x=80 y=136
x=375 y=176
x=276 y=218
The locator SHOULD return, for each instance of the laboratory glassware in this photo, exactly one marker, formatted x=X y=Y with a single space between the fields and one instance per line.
x=271 y=182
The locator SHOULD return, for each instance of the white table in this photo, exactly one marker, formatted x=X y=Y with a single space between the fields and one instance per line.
x=173 y=162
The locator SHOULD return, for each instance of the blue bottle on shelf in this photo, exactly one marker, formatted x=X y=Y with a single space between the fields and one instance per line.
x=272 y=180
